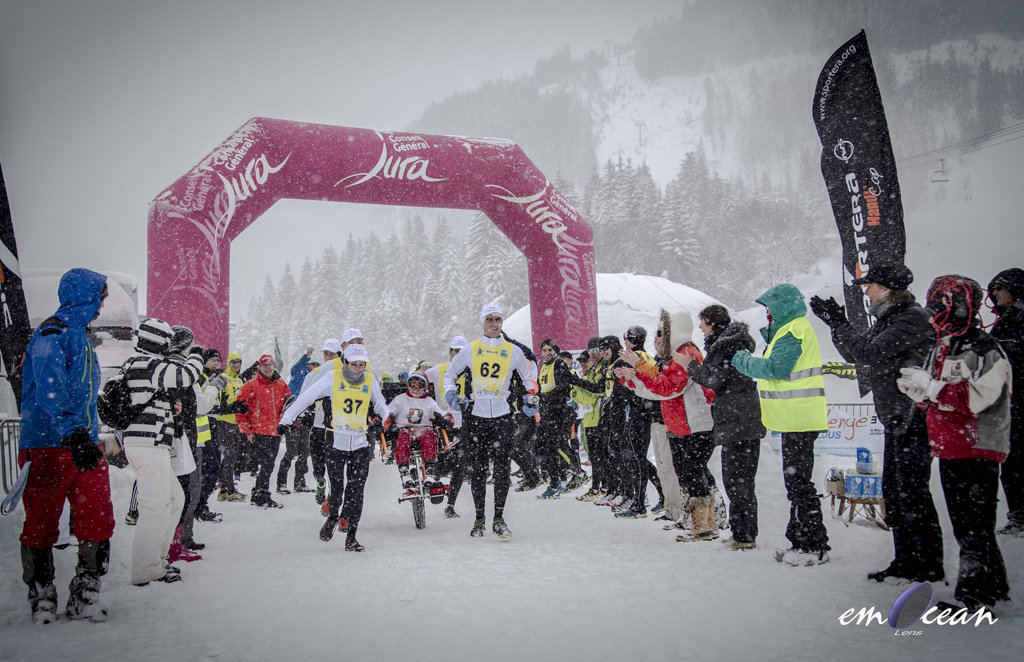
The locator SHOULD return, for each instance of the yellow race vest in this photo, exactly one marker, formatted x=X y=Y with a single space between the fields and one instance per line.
x=460 y=386
x=490 y=369
x=350 y=404
x=229 y=394
x=547 y=377
x=796 y=403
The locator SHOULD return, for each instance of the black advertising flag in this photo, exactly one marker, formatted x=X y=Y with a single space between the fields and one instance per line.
x=860 y=173
x=15 y=329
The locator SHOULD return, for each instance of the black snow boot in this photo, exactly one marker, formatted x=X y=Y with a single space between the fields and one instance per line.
x=329 y=527
x=84 y=601
x=38 y=573
x=352 y=545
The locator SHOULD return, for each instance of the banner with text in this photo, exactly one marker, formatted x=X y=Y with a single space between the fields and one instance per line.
x=860 y=173
x=15 y=329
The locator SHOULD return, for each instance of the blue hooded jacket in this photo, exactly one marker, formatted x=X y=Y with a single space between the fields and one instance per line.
x=61 y=372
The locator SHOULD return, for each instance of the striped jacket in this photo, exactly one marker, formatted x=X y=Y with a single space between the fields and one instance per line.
x=150 y=377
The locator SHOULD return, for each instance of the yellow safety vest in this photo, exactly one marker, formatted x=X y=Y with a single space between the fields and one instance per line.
x=203 y=433
x=591 y=401
x=350 y=403
x=490 y=369
x=460 y=386
x=231 y=391
x=796 y=403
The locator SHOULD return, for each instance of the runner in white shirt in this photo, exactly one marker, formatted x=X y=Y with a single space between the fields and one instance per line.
x=352 y=392
x=487 y=427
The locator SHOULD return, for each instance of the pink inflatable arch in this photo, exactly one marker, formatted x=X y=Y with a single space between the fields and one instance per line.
x=193 y=222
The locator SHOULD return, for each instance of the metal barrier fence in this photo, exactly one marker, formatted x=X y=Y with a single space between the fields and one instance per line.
x=10 y=432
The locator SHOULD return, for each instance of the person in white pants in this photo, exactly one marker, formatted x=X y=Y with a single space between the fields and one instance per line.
x=160 y=500
x=148 y=443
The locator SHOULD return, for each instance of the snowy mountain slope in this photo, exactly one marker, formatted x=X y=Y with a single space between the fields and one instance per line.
x=573 y=584
x=672 y=111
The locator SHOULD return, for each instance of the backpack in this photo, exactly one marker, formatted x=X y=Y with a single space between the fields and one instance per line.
x=114 y=404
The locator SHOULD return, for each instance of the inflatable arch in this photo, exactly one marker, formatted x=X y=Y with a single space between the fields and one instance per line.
x=193 y=222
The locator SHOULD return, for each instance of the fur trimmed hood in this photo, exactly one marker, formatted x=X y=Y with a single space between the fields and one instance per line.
x=678 y=327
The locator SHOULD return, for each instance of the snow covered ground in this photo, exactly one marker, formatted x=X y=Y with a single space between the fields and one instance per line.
x=574 y=583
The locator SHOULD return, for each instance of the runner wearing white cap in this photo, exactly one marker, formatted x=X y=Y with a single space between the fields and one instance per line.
x=487 y=427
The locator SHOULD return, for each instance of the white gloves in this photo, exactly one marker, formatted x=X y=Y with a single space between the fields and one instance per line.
x=918 y=385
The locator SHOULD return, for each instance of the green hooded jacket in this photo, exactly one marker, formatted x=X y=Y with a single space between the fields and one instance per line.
x=786 y=303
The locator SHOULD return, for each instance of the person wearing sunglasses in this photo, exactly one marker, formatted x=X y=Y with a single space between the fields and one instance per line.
x=414 y=412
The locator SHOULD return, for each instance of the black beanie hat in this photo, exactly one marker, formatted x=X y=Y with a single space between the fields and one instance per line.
x=210 y=353
x=181 y=337
x=594 y=342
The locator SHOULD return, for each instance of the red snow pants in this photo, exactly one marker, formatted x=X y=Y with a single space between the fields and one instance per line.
x=428 y=444
x=53 y=479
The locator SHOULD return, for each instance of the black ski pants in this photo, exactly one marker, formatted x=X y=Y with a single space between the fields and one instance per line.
x=264 y=448
x=296 y=447
x=319 y=441
x=806 y=529
x=456 y=461
x=211 y=468
x=1012 y=471
x=640 y=469
x=552 y=444
x=488 y=440
x=597 y=451
x=909 y=507
x=971 y=488
x=524 y=446
x=739 y=469
x=348 y=471
x=690 y=455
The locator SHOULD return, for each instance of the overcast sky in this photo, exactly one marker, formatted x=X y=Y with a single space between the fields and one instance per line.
x=105 y=103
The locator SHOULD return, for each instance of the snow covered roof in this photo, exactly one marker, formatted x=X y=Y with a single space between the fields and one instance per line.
x=624 y=300
x=119 y=310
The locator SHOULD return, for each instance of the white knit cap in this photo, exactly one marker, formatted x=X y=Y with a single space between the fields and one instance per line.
x=356 y=352
x=458 y=342
x=489 y=310
x=332 y=345
x=351 y=334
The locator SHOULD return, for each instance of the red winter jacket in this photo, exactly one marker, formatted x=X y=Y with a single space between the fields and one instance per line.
x=970 y=417
x=266 y=401
x=670 y=382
